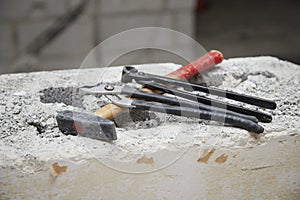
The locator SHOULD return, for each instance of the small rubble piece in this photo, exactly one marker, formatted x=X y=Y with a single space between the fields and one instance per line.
x=37 y=123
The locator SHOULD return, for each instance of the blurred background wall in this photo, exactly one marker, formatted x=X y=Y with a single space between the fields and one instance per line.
x=235 y=27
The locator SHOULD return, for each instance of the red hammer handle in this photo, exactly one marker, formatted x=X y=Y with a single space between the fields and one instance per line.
x=201 y=64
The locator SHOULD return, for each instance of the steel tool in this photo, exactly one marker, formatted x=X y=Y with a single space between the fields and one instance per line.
x=172 y=105
x=185 y=103
x=107 y=89
x=181 y=103
x=98 y=127
x=199 y=65
x=151 y=81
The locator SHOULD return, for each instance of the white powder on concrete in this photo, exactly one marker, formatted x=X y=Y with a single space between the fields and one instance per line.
x=29 y=133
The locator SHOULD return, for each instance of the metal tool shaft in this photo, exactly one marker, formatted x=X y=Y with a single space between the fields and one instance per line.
x=261 y=116
x=180 y=102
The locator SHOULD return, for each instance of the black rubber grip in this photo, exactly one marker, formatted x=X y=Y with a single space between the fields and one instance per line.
x=138 y=94
x=132 y=73
x=200 y=114
x=261 y=116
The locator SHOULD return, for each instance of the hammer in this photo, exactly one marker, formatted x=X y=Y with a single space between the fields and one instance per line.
x=100 y=127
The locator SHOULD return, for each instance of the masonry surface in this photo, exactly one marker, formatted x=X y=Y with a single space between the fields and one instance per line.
x=178 y=151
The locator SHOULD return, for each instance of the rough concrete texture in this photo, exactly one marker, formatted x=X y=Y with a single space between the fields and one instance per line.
x=187 y=158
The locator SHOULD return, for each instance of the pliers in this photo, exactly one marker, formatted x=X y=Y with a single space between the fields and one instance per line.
x=151 y=81
x=183 y=104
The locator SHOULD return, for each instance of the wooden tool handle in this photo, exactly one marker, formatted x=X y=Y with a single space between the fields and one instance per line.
x=203 y=63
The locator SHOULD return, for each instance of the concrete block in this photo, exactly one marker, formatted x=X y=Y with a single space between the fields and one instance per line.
x=6 y=43
x=109 y=26
x=76 y=38
x=179 y=4
x=29 y=30
x=18 y=10
x=145 y=56
x=143 y=39
x=60 y=62
x=146 y=38
x=176 y=53
x=185 y=23
x=179 y=158
x=113 y=57
x=91 y=8
x=126 y=6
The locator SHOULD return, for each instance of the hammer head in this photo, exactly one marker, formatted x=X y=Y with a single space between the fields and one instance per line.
x=86 y=125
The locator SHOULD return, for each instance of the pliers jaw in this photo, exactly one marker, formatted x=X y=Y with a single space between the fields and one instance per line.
x=102 y=89
x=120 y=100
x=127 y=70
x=130 y=73
x=112 y=93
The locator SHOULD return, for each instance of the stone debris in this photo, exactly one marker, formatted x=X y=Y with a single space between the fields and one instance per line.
x=67 y=95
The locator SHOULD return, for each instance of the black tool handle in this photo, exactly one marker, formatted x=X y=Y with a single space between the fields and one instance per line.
x=261 y=116
x=138 y=94
x=140 y=76
x=200 y=114
x=264 y=103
